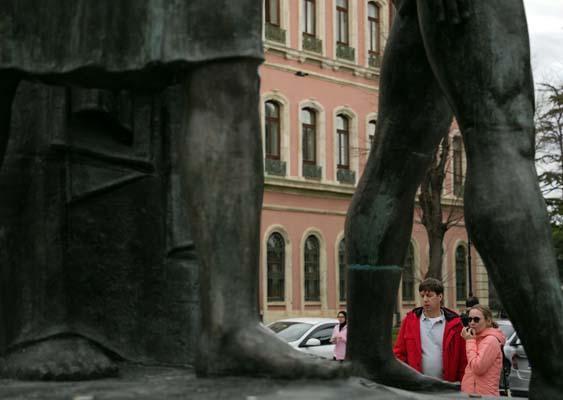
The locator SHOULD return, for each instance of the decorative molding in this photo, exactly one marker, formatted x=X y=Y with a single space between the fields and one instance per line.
x=311 y=43
x=275 y=167
x=375 y=60
x=346 y=176
x=312 y=171
x=275 y=207
x=345 y=52
x=308 y=187
x=328 y=78
x=275 y=33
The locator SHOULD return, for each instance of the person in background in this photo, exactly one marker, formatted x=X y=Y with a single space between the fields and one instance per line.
x=470 y=302
x=339 y=336
x=429 y=338
x=483 y=349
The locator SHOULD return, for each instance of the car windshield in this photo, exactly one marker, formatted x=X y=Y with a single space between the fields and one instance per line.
x=290 y=331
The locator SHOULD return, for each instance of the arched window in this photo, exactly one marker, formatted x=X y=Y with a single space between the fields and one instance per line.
x=272 y=137
x=458 y=166
x=342 y=22
x=308 y=18
x=374 y=26
x=342 y=269
x=408 y=275
x=312 y=269
x=371 y=132
x=276 y=267
x=309 y=124
x=343 y=135
x=461 y=273
x=273 y=12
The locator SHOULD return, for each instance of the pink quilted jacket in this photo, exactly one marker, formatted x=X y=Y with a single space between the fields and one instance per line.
x=339 y=337
x=484 y=363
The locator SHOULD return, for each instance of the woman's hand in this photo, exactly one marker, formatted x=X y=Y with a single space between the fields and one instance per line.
x=468 y=333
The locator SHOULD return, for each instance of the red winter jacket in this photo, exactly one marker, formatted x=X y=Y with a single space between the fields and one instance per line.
x=408 y=348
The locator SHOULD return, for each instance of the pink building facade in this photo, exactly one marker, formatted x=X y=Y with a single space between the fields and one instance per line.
x=319 y=102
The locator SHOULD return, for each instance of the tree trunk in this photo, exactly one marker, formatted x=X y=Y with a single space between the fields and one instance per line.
x=436 y=255
x=430 y=199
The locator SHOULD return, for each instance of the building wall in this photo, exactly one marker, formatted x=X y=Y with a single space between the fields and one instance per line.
x=296 y=206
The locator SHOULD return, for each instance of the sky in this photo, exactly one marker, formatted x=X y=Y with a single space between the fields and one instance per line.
x=545 y=24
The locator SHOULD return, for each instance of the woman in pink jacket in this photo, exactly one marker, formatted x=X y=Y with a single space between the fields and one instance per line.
x=483 y=347
x=339 y=337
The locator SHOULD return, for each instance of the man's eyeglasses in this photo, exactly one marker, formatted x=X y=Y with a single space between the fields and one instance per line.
x=475 y=319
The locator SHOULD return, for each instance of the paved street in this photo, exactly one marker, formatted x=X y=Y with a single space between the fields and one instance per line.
x=157 y=383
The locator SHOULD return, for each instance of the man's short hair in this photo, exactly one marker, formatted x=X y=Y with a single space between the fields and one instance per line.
x=431 y=285
x=471 y=301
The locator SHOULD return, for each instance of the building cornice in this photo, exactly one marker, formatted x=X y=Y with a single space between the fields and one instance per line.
x=329 y=190
x=325 y=63
x=305 y=210
x=309 y=188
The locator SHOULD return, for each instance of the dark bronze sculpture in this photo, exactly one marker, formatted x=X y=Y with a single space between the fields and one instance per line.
x=212 y=50
x=95 y=239
x=472 y=57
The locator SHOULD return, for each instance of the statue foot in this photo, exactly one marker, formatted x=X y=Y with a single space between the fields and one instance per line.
x=259 y=352
x=70 y=358
x=392 y=372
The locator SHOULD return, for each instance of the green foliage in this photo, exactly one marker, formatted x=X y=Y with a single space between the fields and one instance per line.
x=557 y=234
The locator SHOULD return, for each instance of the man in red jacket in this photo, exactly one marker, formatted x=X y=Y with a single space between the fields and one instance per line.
x=429 y=339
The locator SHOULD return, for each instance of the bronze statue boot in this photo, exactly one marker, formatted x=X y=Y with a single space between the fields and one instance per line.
x=58 y=358
x=256 y=351
x=372 y=293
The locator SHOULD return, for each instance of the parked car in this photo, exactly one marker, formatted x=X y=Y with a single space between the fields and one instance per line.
x=506 y=327
x=309 y=335
x=508 y=330
x=521 y=370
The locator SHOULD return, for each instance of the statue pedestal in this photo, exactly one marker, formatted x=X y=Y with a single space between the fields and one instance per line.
x=139 y=383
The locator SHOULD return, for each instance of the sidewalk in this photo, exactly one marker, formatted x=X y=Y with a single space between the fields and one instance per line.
x=155 y=383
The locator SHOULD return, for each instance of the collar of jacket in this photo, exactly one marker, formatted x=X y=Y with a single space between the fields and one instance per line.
x=448 y=314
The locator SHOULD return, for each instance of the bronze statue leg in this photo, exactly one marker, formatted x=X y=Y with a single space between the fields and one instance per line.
x=224 y=172
x=413 y=117
x=483 y=65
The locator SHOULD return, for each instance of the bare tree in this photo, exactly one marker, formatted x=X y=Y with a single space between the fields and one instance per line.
x=549 y=155
x=436 y=218
x=549 y=142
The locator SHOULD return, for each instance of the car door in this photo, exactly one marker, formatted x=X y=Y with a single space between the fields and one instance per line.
x=323 y=333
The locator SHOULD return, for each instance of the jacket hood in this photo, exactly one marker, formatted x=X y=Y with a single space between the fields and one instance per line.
x=497 y=333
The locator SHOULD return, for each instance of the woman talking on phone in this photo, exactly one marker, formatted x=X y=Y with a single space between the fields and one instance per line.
x=483 y=347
